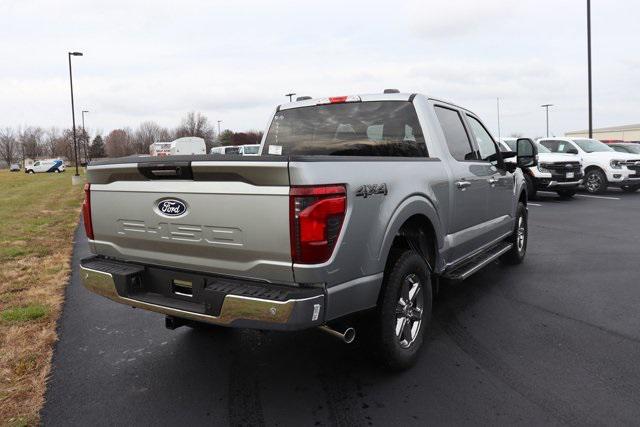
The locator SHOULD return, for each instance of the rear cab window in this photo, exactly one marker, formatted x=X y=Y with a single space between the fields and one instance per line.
x=373 y=128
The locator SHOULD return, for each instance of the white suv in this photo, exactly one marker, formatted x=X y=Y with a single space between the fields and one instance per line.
x=603 y=166
x=559 y=172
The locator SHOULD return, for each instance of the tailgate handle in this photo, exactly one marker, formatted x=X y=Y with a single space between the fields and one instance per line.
x=173 y=170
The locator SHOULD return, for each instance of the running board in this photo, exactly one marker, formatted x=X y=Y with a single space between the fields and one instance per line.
x=475 y=263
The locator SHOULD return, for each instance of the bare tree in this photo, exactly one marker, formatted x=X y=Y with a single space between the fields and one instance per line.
x=8 y=146
x=64 y=146
x=31 y=141
x=148 y=133
x=50 y=141
x=118 y=143
x=196 y=124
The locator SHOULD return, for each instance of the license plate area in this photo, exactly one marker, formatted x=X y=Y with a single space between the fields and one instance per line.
x=570 y=175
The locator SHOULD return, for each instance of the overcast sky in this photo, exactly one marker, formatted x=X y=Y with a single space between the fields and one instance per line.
x=234 y=61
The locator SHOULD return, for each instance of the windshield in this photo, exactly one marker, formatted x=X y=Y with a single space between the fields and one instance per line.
x=543 y=149
x=630 y=148
x=251 y=149
x=592 y=145
x=382 y=128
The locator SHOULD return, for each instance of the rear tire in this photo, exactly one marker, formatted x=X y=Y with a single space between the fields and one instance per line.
x=519 y=238
x=566 y=194
x=531 y=187
x=595 y=181
x=630 y=188
x=404 y=311
x=30 y=171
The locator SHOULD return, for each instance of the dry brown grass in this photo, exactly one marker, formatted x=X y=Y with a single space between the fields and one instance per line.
x=37 y=220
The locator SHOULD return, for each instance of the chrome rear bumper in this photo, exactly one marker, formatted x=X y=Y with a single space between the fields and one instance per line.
x=236 y=310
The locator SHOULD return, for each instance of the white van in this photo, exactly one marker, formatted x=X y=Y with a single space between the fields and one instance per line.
x=47 y=165
x=185 y=145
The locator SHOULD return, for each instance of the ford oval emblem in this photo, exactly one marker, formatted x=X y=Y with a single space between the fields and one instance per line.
x=172 y=207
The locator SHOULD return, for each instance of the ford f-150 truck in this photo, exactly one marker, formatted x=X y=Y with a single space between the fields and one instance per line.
x=559 y=172
x=355 y=209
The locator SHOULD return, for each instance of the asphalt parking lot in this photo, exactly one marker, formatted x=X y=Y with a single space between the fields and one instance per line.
x=555 y=341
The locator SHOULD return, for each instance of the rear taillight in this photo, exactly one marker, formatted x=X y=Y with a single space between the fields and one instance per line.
x=316 y=215
x=86 y=211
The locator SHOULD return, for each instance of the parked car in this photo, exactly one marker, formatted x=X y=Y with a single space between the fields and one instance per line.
x=559 y=172
x=626 y=147
x=364 y=203
x=47 y=165
x=251 y=150
x=14 y=167
x=227 y=149
x=603 y=166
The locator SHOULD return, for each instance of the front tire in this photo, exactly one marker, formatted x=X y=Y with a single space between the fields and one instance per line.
x=519 y=238
x=630 y=188
x=595 y=181
x=57 y=171
x=566 y=194
x=404 y=311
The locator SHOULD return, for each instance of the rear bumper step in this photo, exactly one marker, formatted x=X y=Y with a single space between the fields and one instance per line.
x=204 y=298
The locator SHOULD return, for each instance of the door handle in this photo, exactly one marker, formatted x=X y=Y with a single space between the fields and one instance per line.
x=493 y=181
x=462 y=184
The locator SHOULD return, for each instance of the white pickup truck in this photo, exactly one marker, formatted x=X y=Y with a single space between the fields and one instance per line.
x=559 y=172
x=603 y=166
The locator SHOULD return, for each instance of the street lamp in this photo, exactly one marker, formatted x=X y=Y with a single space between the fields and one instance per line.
x=85 y=137
x=73 y=114
x=290 y=95
x=219 y=121
x=589 y=66
x=546 y=106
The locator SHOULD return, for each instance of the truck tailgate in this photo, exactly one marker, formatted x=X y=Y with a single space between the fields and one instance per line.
x=225 y=217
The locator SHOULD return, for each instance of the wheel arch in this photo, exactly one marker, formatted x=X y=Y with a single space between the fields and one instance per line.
x=416 y=213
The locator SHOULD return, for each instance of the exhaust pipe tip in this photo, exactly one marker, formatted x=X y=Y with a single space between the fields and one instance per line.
x=349 y=335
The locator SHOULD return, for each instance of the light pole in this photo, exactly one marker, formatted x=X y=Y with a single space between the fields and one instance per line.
x=589 y=66
x=219 y=121
x=498 y=104
x=85 y=136
x=73 y=114
x=546 y=106
x=290 y=95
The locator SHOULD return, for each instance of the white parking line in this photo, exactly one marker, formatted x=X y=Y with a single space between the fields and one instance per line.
x=598 y=197
x=534 y=204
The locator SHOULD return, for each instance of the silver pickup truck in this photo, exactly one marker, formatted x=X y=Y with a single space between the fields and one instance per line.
x=355 y=209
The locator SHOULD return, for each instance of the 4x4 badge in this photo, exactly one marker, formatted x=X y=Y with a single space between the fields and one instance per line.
x=371 y=189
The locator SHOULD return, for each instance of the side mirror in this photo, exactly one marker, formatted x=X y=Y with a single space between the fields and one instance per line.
x=527 y=153
x=572 y=151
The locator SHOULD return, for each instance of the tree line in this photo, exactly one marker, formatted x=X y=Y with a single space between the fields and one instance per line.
x=17 y=144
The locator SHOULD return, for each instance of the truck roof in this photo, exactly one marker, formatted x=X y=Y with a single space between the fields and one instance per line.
x=400 y=96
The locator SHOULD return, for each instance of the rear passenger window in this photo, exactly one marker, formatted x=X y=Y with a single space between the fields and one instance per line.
x=455 y=134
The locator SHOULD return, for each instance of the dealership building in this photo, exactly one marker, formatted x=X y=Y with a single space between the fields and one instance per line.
x=628 y=133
